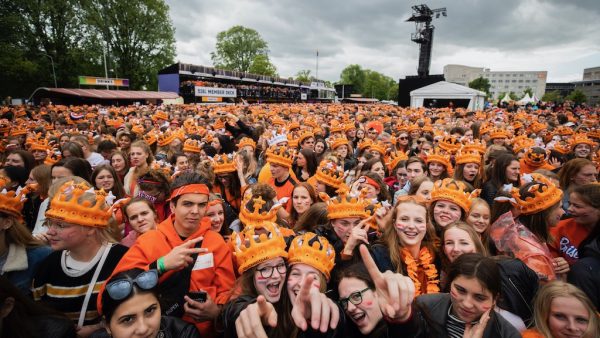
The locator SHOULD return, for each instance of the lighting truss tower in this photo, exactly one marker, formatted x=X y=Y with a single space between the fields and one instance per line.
x=422 y=17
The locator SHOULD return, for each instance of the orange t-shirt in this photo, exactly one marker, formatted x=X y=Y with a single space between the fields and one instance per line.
x=567 y=236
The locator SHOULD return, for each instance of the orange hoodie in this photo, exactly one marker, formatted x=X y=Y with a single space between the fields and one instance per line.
x=215 y=276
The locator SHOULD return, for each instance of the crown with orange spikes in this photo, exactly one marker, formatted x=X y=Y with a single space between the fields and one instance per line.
x=82 y=205
x=337 y=141
x=328 y=173
x=581 y=138
x=450 y=143
x=39 y=144
x=521 y=143
x=498 y=133
x=163 y=166
x=451 y=190
x=561 y=147
x=164 y=139
x=468 y=157
x=252 y=248
x=475 y=145
x=535 y=157
x=18 y=130
x=484 y=129
x=349 y=126
x=595 y=134
x=292 y=140
x=192 y=146
x=544 y=194
x=246 y=142
x=137 y=129
x=345 y=205
x=305 y=135
x=11 y=202
x=364 y=143
x=277 y=121
x=312 y=250
x=150 y=138
x=219 y=124
x=563 y=131
x=379 y=147
x=257 y=218
x=280 y=155
x=440 y=157
x=160 y=115
x=293 y=126
x=223 y=164
x=395 y=158
x=536 y=127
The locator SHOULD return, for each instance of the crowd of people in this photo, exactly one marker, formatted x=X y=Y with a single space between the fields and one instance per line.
x=245 y=91
x=299 y=220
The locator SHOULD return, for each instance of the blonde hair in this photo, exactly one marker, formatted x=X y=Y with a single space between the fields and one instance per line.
x=554 y=289
x=479 y=247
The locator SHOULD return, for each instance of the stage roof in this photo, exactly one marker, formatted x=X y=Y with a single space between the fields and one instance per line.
x=103 y=94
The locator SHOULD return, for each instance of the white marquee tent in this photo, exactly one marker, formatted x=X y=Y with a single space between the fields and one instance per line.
x=447 y=91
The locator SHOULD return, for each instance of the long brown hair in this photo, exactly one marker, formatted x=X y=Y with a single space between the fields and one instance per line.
x=294 y=216
x=392 y=241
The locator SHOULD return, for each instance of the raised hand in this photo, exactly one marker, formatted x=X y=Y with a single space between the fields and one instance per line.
x=252 y=320
x=476 y=331
x=181 y=255
x=358 y=234
x=312 y=305
x=396 y=292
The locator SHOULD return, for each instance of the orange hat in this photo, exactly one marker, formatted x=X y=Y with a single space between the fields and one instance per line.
x=450 y=144
x=280 y=155
x=223 y=164
x=346 y=206
x=378 y=126
x=256 y=218
x=581 y=139
x=11 y=202
x=251 y=248
x=305 y=135
x=379 y=147
x=453 y=191
x=498 y=133
x=246 y=142
x=164 y=139
x=442 y=158
x=394 y=158
x=535 y=157
x=541 y=195
x=72 y=204
x=475 y=145
x=328 y=173
x=160 y=115
x=563 y=131
x=192 y=146
x=312 y=250
x=468 y=157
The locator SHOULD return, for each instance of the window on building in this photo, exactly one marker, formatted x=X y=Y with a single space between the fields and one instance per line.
x=514 y=81
x=521 y=75
x=520 y=81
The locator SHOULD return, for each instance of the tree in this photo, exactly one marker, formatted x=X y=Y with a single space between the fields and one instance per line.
x=553 y=96
x=529 y=91
x=237 y=47
x=354 y=75
x=139 y=35
x=303 y=75
x=577 y=96
x=481 y=84
x=261 y=65
x=514 y=96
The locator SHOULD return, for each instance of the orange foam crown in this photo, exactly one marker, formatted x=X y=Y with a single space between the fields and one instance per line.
x=451 y=190
x=440 y=157
x=450 y=144
x=475 y=145
x=581 y=138
x=192 y=146
x=223 y=164
x=257 y=218
x=164 y=139
x=337 y=141
x=329 y=174
x=498 y=133
x=246 y=142
x=395 y=158
x=251 y=249
x=312 y=250
x=545 y=195
x=280 y=155
x=468 y=157
x=345 y=206
x=11 y=202
x=68 y=206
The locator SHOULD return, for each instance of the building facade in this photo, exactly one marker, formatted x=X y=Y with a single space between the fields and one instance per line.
x=564 y=88
x=591 y=74
x=500 y=81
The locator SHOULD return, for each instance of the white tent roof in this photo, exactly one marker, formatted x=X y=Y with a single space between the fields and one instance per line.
x=506 y=98
x=447 y=89
x=526 y=99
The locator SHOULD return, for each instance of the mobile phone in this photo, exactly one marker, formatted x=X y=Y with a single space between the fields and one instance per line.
x=198 y=296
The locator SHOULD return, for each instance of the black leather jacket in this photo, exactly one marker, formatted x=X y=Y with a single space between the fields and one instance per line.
x=170 y=327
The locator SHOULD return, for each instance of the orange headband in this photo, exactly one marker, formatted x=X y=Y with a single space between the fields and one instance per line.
x=190 y=189
x=369 y=181
x=215 y=202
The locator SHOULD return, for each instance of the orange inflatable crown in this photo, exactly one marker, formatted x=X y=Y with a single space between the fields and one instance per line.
x=312 y=250
x=345 y=206
x=223 y=164
x=544 y=195
x=72 y=204
x=280 y=155
x=329 y=174
x=247 y=142
x=468 y=157
x=451 y=190
x=192 y=146
x=251 y=249
x=11 y=202
x=256 y=218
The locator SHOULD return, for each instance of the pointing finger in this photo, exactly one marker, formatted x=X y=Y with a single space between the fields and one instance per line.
x=371 y=267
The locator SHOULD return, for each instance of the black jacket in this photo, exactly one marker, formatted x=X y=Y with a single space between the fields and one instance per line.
x=431 y=313
x=488 y=192
x=519 y=286
x=170 y=327
x=585 y=273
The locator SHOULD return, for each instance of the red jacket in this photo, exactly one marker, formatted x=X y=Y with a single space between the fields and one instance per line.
x=567 y=235
x=216 y=277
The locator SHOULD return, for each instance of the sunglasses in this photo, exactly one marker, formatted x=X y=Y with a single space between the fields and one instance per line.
x=403 y=138
x=354 y=298
x=122 y=288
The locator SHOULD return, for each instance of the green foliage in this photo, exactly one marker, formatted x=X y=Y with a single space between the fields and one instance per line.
x=370 y=83
x=303 y=75
x=553 y=96
x=514 y=96
x=577 y=96
x=529 y=91
x=481 y=84
x=261 y=65
x=237 y=48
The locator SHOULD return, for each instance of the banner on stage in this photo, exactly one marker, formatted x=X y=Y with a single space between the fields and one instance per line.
x=103 y=81
x=215 y=92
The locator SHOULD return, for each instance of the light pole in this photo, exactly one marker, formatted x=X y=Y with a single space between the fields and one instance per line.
x=53 y=72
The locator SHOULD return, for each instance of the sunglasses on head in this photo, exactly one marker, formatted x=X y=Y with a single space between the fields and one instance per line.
x=122 y=288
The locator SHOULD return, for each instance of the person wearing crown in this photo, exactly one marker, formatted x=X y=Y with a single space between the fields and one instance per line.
x=280 y=160
x=523 y=230
x=189 y=256
x=449 y=203
x=84 y=254
x=20 y=252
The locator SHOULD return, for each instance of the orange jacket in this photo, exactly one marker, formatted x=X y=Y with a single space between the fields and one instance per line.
x=567 y=235
x=217 y=278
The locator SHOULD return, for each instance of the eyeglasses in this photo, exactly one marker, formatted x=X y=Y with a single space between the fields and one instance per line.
x=56 y=225
x=403 y=138
x=267 y=271
x=122 y=288
x=354 y=298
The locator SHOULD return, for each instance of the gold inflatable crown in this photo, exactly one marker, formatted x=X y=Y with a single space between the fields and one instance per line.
x=257 y=218
x=280 y=155
x=251 y=249
x=329 y=174
x=312 y=250
x=223 y=164
x=72 y=205
x=451 y=190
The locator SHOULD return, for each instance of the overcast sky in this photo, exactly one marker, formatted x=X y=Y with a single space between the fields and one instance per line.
x=561 y=37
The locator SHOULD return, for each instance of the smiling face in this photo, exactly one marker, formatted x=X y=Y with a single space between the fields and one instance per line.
x=583 y=213
x=365 y=315
x=217 y=216
x=568 y=317
x=457 y=242
x=512 y=171
x=411 y=224
x=479 y=217
x=66 y=236
x=104 y=180
x=446 y=212
x=138 y=316
x=582 y=150
x=469 y=298
x=296 y=275
x=378 y=169
x=436 y=169
x=270 y=287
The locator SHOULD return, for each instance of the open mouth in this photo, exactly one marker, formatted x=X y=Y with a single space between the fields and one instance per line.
x=410 y=234
x=358 y=317
x=273 y=287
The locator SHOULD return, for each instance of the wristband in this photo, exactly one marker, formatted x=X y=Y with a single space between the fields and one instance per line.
x=160 y=263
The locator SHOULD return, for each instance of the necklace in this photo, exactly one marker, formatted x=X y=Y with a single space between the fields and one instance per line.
x=424 y=263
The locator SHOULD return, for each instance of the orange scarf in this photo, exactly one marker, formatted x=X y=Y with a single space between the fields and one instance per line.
x=424 y=265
